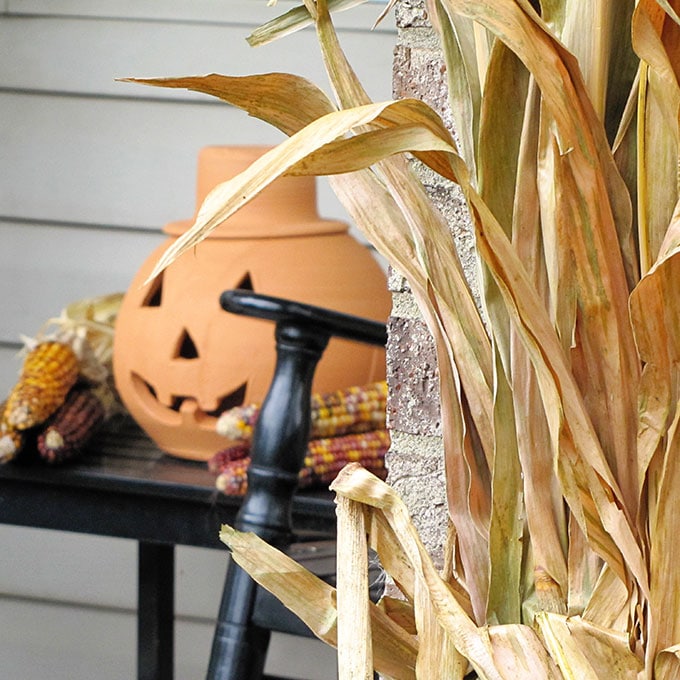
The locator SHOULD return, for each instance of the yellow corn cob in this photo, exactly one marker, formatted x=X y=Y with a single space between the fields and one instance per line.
x=49 y=371
x=351 y=410
x=72 y=426
x=325 y=458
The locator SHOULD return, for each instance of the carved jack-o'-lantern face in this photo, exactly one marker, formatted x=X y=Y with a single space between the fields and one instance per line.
x=180 y=360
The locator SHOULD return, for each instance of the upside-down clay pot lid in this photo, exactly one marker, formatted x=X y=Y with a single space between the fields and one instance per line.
x=284 y=209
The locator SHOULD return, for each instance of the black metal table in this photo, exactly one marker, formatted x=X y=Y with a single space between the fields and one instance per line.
x=126 y=487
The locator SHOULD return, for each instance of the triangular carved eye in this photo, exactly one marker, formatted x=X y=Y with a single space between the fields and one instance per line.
x=154 y=295
x=246 y=283
x=186 y=348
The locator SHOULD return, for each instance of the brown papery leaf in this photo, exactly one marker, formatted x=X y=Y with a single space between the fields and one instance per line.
x=275 y=98
x=313 y=600
x=355 y=650
x=498 y=657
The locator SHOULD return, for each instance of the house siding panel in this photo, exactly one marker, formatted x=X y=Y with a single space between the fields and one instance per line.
x=90 y=171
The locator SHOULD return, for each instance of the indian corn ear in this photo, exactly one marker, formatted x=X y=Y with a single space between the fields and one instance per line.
x=11 y=439
x=222 y=458
x=49 y=371
x=324 y=459
x=346 y=411
x=327 y=456
x=72 y=426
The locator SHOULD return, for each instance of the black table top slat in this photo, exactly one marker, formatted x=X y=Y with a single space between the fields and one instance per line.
x=125 y=486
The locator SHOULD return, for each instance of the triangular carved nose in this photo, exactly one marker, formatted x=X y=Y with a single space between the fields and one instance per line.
x=186 y=347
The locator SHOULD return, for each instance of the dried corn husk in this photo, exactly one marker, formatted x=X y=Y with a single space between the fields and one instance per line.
x=560 y=404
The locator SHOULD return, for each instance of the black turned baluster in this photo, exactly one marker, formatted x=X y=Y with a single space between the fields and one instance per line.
x=279 y=447
x=282 y=433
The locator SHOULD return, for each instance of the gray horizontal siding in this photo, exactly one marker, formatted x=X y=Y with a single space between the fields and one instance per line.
x=115 y=48
x=62 y=641
x=90 y=171
x=249 y=13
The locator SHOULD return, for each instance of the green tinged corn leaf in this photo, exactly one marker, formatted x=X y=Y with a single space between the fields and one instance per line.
x=292 y=21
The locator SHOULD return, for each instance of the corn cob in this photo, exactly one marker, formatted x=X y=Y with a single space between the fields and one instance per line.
x=49 y=371
x=325 y=458
x=11 y=439
x=351 y=410
x=222 y=458
x=233 y=480
x=72 y=426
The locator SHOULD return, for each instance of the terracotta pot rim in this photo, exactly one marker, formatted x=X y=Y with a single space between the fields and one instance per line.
x=265 y=230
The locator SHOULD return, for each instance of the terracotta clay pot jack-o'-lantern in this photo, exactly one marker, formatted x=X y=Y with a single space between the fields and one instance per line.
x=180 y=360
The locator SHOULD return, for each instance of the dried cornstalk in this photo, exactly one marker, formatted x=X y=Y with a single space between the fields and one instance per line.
x=560 y=400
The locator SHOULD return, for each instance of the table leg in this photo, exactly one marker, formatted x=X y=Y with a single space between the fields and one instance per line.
x=156 y=611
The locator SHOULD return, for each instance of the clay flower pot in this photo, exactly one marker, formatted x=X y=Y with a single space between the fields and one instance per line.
x=180 y=360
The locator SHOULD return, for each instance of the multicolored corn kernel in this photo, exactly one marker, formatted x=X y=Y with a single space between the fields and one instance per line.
x=222 y=458
x=354 y=409
x=324 y=460
x=327 y=456
x=49 y=371
x=238 y=423
x=72 y=426
x=233 y=479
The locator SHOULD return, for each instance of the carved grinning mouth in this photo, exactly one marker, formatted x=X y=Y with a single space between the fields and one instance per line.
x=182 y=403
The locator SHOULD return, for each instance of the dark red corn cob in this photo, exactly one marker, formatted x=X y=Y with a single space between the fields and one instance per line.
x=222 y=458
x=72 y=426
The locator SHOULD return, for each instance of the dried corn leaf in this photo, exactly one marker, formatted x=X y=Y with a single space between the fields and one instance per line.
x=667 y=664
x=584 y=651
x=272 y=97
x=293 y=20
x=585 y=566
x=608 y=603
x=459 y=45
x=313 y=601
x=665 y=545
x=520 y=653
x=355 y=652
x=654 y=37
x=393 y=558
x=437 y=655
x=542 y=496
x=506 y=529
x=400 y=611
x=656 y=318
x=499 y=659
x=228 y=197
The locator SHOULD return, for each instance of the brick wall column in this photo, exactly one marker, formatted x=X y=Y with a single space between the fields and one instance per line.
x=416 y=460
